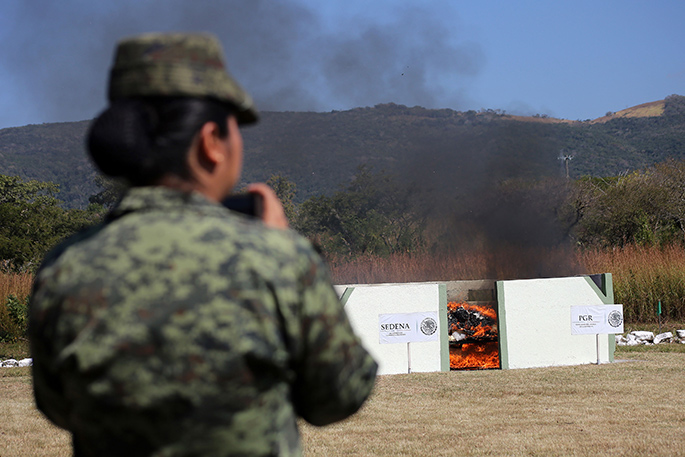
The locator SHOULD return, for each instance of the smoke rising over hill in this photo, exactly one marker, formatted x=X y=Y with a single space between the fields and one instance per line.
x=292 y=59
x=58 y=54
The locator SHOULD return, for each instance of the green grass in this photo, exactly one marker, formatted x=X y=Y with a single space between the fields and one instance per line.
x=16 y=350
x=654 y=327
x=17 y=372
x=672 y=347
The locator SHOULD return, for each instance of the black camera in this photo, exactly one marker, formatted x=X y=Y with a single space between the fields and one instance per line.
x=247 y=203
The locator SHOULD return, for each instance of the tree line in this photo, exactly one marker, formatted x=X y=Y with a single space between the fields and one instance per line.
x=377 y=214
x=32 y=221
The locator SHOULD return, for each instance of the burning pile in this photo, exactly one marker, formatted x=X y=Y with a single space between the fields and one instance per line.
x=473 y=336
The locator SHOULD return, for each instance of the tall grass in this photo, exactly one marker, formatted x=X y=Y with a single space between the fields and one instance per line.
x=643 y=276
x=14 y=288
x=406 y=268
x=510 y=262
x=18 y=284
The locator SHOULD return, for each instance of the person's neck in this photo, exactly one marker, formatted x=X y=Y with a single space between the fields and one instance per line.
x=183 y=185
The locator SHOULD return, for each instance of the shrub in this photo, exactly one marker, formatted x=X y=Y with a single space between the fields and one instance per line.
x=13 y=308
x=13 y=318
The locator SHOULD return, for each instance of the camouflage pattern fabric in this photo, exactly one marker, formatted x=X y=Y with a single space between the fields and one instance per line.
x=176 y=65
x=179 y=328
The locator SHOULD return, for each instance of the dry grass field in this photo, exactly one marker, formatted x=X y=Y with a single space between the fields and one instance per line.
x=643 y=110
x=24 y=432
x=629 y=409
x=634 y=407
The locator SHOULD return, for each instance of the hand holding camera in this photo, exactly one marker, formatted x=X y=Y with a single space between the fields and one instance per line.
x=261 y=202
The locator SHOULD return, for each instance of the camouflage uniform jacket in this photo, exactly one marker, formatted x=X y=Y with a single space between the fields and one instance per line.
x=179 y=328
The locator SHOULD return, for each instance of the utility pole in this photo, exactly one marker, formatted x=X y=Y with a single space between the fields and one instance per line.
x=566 y=158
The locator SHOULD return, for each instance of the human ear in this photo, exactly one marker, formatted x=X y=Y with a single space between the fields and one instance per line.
x=211 y=149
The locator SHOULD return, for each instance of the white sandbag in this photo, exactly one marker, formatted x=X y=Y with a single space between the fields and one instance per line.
x=643 y=335
x=663 y=338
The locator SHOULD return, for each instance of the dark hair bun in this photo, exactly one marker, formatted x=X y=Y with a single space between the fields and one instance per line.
x=144 y=139
x=120 y=140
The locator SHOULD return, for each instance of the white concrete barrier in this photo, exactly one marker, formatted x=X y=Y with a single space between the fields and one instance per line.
x=365 y=303
x=535 y=322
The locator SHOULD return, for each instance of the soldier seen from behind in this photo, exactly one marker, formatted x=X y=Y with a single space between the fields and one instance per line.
x=178 y=327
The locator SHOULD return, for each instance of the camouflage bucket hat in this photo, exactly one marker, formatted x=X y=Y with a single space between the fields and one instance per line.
x=179 y=64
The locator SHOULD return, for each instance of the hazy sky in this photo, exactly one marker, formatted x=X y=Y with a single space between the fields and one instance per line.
x=570 y=59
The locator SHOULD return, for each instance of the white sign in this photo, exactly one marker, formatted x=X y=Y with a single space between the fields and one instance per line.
x=596 y=320
x=408 y=327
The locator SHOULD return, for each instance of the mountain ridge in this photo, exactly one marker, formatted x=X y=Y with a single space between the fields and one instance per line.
x=439 y=148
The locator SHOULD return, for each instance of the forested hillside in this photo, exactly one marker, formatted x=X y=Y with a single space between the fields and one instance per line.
x=50 y=153
x=439 y=150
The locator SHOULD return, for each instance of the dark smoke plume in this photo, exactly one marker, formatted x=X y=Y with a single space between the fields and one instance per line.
x=57 y=54
x=495 y=188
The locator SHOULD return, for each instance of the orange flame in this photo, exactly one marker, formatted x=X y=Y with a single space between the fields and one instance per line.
x=478 y=356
